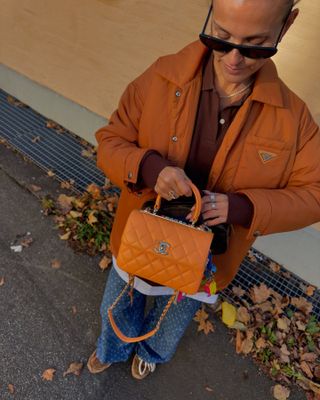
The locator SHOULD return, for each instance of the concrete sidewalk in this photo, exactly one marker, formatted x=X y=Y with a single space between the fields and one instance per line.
x=38 y=329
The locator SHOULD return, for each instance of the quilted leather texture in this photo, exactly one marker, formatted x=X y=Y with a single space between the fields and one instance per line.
x=186 y=250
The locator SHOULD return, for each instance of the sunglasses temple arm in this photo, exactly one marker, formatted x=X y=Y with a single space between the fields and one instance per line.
x=207 y=20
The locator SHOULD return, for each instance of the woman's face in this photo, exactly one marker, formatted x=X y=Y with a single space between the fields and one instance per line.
x=249 y=22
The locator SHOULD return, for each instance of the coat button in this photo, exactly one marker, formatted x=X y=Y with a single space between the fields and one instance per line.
x=130 y=175
x=178 y=93
x=257 y=233
x=174 y=138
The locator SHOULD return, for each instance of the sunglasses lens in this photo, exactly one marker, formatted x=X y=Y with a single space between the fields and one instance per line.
x=250 y=52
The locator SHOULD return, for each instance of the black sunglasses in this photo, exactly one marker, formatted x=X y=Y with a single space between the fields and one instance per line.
x=255 y=52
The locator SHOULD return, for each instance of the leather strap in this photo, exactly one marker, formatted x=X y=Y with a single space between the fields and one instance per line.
x=136 y=339
x=198 y=203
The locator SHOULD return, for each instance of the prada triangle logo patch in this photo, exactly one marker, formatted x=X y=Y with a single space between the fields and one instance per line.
x=266 y=156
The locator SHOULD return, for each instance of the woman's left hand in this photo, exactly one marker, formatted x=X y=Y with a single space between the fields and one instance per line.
x=214 y=208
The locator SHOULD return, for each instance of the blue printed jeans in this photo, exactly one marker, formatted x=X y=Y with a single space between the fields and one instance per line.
x=132 y=321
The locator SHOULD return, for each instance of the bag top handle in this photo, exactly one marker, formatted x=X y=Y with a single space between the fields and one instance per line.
x=197 y=205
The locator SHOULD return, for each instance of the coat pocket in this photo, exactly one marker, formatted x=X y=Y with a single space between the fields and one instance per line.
x=264 y=163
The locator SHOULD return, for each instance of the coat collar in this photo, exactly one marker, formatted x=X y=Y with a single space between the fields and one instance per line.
x=186 y=65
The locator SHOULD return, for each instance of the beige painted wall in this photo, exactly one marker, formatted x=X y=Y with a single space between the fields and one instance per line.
x=88 y=50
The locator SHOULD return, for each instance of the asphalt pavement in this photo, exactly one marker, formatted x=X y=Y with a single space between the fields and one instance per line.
x=49 y=318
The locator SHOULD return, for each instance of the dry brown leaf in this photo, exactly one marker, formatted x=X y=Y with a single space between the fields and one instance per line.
x=247 y=346
x=310 y=357
x=201 y=315
x=11 y=388
x=92 y=219
x=316 y=372
x=74 y=368
x=251 y=256
x=50 y=173
x=48 y=374
x=306 y=369
x=66 y=236
x=75 y=214
x=206 y=327
x=281 y=392
x=35 y=188
x=302 y=304
x=2 y=281
x=87 y=153
x=261 y=343
x=55 y=263
x=94 y=191
x=74 y=310
x=243 y=315
x=65 y=203
x=259 y=294
x=26 y=241
x=283 y=324
x=105 y=262
x=274 y=267
x=238 y=342
x=310 y=290
x=238 y=291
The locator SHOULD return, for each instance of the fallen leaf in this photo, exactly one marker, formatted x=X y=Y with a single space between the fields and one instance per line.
x=74 y=310
x=2 y=281
x=75 y=214
x=50 y=173
x=259 y=294
x=306 y=369
x=208 y=389
x=243 y=315
x=26 y=241
x=316 y=372
x=11 y=388
x=65 y=203
x=302 y=304
x=94 y=191
x=65 y=236
x=274 y=267
x=201 y=315
x=261 y=343
x=281 y=392
x=35 y=188
x=55 y=264
x=310 y=357
x=251 y=256
x=87 y=153
x=238 y=291
x=74 y=368
x=247 y=346
x=282 y=324
x=92 y=219
x=105 y=262
x=48 y=374
x=238 y=342
x=310 y=290
x=229 y=313
x=206 y=327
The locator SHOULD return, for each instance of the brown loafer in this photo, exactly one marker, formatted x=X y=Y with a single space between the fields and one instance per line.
x=95 y=366
x=140 y=369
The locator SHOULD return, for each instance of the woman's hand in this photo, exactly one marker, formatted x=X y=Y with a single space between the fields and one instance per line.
x=172 y=183
x=214 y=208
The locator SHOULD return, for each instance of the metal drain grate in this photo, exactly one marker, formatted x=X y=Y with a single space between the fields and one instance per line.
x=27 y=131
x=61 y=153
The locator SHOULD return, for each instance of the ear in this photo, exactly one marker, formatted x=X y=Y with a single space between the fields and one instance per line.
x=290 y=21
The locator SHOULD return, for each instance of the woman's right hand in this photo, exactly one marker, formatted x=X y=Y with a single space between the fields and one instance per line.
x=172 y=183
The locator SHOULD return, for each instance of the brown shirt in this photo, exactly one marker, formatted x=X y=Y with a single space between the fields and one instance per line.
x=210 y=128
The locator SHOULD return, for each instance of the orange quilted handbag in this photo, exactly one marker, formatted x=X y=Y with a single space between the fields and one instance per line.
x=165 y=251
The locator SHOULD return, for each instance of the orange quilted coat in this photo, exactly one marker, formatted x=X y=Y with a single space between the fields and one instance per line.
x=270 y=152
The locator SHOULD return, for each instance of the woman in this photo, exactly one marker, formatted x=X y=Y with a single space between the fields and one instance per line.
x=217 y=114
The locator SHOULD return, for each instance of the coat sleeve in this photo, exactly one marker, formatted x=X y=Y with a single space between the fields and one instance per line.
x=298 y=204
x=119 y=155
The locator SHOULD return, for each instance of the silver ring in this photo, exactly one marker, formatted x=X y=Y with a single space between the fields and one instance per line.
x=172 y=195
x=213 y=197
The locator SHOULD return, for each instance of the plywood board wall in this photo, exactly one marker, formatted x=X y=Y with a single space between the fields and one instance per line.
x=88 y=50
